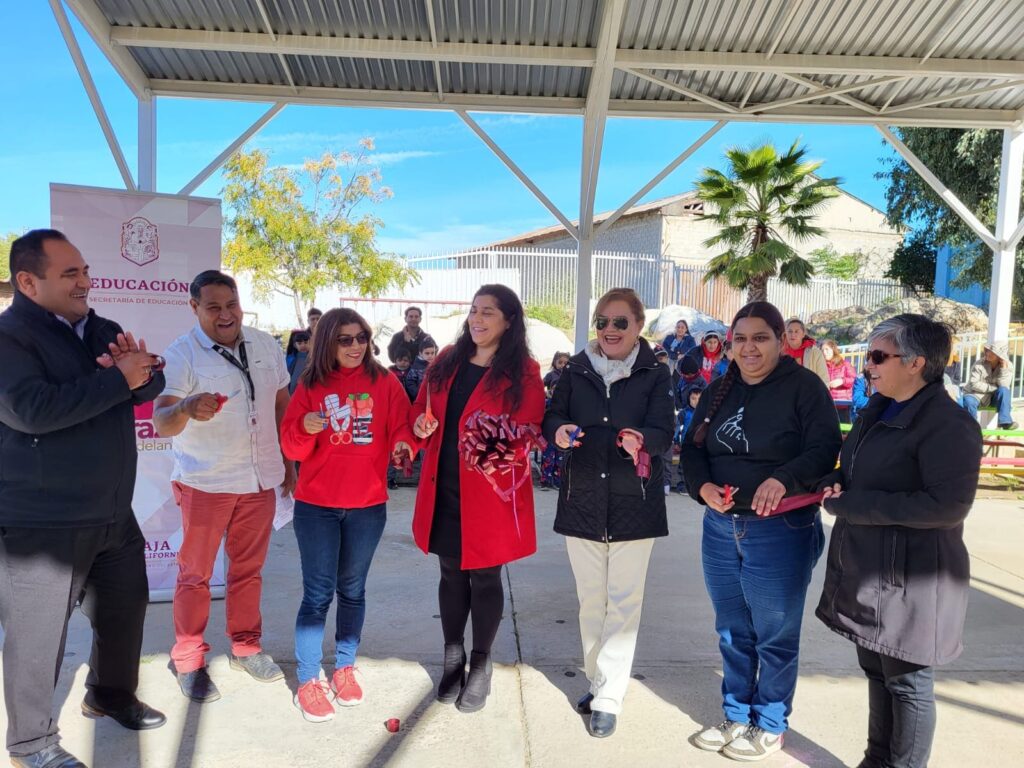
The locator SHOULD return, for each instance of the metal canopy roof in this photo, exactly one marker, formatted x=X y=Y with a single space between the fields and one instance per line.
x=956 y=63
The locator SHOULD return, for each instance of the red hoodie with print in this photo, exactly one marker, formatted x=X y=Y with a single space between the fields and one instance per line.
x=345 y=466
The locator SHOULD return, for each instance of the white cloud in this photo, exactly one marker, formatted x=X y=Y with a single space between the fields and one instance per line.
x=413 y=241
x=391 y=158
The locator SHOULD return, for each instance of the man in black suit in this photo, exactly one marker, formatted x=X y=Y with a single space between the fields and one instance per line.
x=68 y=383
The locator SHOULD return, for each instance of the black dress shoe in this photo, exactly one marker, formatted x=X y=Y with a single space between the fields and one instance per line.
x=602 y=724
x=137 y=716
x=583 y=705
x=53 y=756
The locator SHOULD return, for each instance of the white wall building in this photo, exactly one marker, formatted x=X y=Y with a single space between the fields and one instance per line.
x=671 y=227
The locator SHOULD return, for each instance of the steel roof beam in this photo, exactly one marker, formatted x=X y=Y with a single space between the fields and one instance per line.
x=99 y=29
x=953 y=96
x=941 y=189
x=559 y=105
x=90 y=89
x=681 y=89
x=547 y=55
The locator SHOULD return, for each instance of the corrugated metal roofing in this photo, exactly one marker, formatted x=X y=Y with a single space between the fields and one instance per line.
x=738 y=53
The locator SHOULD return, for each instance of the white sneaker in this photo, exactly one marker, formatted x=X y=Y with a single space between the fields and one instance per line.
x=716 y=737
x=755 y=744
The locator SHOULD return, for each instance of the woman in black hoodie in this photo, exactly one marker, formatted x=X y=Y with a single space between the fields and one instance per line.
x=766 y=429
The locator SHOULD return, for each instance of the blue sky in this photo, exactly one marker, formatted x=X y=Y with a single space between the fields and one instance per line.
x=449 y=190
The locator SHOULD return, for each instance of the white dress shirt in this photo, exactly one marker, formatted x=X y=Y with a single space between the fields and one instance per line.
x=237 y=451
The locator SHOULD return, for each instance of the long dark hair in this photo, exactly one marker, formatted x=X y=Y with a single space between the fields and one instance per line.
x=293 y=339
x=323 y=357
x=513 y=350
x=756 y=309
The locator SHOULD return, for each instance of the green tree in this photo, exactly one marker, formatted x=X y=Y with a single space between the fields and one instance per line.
x=842 y=266
x=967 y=161
x=913 y=263
x=5 y=255
x=762 y=201
x=297 y=231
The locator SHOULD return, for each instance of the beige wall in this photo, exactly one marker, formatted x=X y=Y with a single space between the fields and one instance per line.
x=849 y=225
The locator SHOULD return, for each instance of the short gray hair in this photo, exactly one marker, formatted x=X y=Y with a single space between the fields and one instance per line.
x=918 y=336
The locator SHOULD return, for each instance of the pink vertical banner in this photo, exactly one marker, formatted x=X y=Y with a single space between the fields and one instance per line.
x=143 y=250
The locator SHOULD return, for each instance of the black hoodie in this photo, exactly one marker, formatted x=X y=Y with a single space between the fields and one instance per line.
x=784 y=427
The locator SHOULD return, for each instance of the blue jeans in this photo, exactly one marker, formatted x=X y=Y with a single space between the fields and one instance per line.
x=1001 y=400
x=756 y=571
x=336 y=547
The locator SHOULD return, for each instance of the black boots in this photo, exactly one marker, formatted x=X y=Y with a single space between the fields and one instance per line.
x=478 y=684
x=453 y=677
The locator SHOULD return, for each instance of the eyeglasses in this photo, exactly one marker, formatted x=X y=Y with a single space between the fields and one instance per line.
x=878 y=357
x=360 y=338
x=621 y=322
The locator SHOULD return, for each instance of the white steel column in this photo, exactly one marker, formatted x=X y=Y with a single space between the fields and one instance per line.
x=594 y=117
x=147 y=145
x=1007 y=213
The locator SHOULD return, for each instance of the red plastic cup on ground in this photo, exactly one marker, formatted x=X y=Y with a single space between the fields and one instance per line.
x=393 y=724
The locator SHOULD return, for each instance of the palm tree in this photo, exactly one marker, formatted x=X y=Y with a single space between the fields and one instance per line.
x=762 y=204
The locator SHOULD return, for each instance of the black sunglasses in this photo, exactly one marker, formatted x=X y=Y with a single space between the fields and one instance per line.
x=878 y=357
x=360 y=338
x=621 y=322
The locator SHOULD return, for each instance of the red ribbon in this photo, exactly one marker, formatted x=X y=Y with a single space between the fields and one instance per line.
x=494 y=446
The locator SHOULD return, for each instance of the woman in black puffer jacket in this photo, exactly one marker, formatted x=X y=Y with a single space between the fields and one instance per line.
x=616 y=398
x=898 y=571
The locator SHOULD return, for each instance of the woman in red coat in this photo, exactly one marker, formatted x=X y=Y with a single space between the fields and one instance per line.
x=459 y=515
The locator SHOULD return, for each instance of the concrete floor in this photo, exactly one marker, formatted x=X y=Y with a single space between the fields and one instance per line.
x=529 y=720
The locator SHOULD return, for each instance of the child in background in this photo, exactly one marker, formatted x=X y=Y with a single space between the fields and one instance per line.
x=403 y=362
x=557 y=366
x=862 y=392
x=689 y=372
x=685 y=416
x=723 y=364
x=418 y=369
x=296 y=355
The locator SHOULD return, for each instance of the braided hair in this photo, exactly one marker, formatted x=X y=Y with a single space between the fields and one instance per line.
x=756 y=309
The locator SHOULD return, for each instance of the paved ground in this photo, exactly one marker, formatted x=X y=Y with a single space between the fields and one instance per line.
x=529 y=720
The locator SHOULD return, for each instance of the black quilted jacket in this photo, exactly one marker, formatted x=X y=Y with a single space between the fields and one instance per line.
x=601 y=498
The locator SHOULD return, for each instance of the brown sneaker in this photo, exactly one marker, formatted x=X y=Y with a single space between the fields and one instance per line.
x=312 y=701
x=347 y=692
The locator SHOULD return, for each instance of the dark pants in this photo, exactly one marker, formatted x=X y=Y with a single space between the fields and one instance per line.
x=756 y=571
x=901 y=718
x=43 y=573
x=461 y=592
x=336 y=547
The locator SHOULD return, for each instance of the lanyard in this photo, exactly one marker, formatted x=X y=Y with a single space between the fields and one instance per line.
x=243 y=366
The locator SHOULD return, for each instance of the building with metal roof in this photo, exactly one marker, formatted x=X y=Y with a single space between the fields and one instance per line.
x=874 y=62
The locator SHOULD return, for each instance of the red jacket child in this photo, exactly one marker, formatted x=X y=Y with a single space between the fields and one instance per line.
x=345 y=466
x=489 y=533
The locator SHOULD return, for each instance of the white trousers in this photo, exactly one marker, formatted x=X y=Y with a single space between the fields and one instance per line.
x=610 y=586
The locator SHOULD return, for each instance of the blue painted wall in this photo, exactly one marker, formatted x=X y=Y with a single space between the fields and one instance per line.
x=945 y=274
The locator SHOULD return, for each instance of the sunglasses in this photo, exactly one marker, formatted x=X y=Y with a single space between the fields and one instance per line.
x=621 y=322
x=360 y=338
x=878 y=357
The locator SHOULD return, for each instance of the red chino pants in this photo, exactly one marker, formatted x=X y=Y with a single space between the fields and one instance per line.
x=244 y=521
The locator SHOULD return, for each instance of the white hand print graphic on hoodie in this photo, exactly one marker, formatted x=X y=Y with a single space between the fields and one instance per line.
x=731 y=434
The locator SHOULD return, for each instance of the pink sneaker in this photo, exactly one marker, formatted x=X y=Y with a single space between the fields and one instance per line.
x=347 y=692
x=313 y=702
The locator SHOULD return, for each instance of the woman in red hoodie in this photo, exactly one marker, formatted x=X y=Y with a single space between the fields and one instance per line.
x=460 y=516
x=348 y=418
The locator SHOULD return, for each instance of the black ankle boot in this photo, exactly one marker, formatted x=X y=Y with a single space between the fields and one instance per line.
x=478 y=684
x=453 y=677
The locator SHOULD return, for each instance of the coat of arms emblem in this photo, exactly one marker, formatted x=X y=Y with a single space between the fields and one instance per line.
x=139 y=241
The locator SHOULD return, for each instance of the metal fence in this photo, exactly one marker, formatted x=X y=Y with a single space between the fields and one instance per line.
x=717 y=298
x=969 y=348
x=547 y=276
